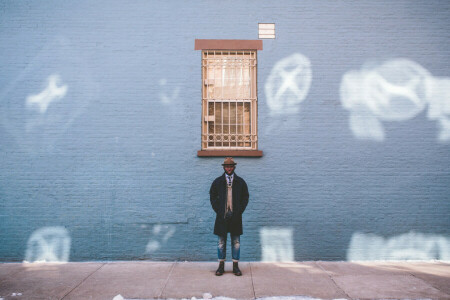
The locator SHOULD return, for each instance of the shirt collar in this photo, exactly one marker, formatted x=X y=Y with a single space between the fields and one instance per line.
x=229 y=176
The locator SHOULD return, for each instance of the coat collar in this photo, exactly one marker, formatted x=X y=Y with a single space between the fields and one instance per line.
x=234 y=175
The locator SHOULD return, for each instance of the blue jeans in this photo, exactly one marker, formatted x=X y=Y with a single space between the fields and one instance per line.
x=235 y=247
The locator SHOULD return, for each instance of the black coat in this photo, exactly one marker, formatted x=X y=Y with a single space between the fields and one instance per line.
x=218 y=198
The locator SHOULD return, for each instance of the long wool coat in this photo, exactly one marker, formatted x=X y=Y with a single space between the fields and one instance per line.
x=218 y=198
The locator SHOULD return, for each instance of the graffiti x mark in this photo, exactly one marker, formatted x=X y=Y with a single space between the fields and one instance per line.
x=51 y=93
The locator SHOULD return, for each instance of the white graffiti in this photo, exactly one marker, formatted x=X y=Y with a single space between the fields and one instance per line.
x=164 y=97
x=48 y=244
x=39 y=104
x=288 y=84
x=160 y=235
x=439 y=105
x=408 y=246
x=396 y=90
x=277 y=244
x=51 y=93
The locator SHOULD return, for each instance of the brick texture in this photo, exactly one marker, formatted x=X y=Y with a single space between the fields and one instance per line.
x=114 y=161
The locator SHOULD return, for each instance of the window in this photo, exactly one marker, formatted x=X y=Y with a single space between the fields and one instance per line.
x=229 y=102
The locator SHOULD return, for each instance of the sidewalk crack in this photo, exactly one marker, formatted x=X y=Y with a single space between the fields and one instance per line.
x=426 y=282
x=167 y=280
x=83 y=281
x=251 y=276
x=332 y=279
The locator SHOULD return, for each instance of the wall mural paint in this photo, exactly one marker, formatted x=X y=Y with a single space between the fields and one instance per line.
x=439 y=105
x=164 y=95
x=53 y=92
x=288 y=84
x=408 y=246
x=41 y=103
x=160 y=235
x=396 y=90
x=277 y=243
x=48 y=244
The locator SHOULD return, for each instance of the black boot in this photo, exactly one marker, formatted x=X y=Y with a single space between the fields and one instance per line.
x=221 y=269
x=236 y=270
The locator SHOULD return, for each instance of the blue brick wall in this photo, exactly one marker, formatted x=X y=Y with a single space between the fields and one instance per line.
x=114 y=160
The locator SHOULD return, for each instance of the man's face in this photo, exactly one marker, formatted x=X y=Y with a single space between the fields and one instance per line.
x=229 y=169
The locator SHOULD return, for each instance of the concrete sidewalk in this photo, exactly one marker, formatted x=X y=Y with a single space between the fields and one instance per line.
x=150 y=280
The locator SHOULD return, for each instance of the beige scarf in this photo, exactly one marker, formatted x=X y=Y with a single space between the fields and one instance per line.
x=229 y=197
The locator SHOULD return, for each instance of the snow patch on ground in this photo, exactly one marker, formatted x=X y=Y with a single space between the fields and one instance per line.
x=292 y=298
x=208 y=296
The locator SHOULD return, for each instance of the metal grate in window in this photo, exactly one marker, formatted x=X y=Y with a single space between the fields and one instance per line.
x=229 y=100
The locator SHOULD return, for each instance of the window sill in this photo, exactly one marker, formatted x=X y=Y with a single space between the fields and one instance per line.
x=235 y=153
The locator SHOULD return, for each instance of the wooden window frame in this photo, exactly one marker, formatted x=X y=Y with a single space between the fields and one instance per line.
x=222 y=46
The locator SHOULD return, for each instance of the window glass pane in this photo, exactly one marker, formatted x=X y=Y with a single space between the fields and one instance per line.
x=233 y=117
x=228 y=77
x=247 y=120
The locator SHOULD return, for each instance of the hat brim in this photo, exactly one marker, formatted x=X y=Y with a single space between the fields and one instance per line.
x=229 y=164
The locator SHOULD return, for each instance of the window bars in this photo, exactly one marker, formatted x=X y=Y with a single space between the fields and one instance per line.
x=229 y=100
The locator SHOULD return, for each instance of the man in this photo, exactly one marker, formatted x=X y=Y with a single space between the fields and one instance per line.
x=229 y=198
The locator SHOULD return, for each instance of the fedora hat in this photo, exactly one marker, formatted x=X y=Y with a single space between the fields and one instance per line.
x=229 y=162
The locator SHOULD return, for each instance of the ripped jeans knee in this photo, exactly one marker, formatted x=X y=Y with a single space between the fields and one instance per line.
x=235 y=247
